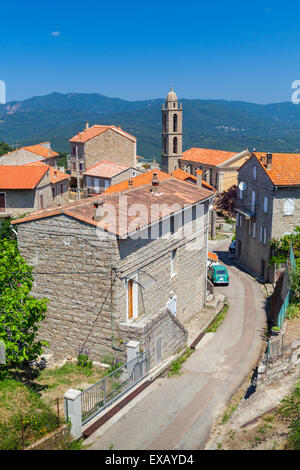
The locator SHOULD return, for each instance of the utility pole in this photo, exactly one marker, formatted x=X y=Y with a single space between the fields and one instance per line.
x=77 y=173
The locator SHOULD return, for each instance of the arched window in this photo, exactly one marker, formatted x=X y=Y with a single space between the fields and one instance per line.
x=175 y=145
x=164 y=122
x=175 y=123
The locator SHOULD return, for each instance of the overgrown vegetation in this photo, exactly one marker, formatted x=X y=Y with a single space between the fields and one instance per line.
x=5 y=148
x=290 y=412
x=176 y=365
x=224 y=202
x=218 y=320
x=20 y=313
x=280 y=248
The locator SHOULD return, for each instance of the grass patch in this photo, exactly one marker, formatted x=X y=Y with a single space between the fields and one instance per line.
x=218 y=320
x=290 y=412
x=176 y=365
x=293 y=311
x=29 y=395
x=228 y=413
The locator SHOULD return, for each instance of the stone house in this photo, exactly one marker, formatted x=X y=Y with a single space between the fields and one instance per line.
x=103 y=174
x=111 y=279
x=268 y=206
x=98 y=143
x=33 y=153
x=32 y=187
x=219 y=168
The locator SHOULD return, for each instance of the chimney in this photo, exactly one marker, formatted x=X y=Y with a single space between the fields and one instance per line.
x=55 y=173
x=263 y=160
x=269 y=161
x=96 y=215
x=199 y=178
x=87 y=125
x=155 y=183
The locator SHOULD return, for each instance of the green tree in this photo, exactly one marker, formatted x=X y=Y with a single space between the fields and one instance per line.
x=5 y=148
x=280 y=248
x=6 y=229
x=20 y=313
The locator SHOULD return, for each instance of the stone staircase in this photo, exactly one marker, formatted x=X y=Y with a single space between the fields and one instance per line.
x=214 y=301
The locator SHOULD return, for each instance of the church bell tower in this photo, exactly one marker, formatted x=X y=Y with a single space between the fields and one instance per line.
x=171 y=133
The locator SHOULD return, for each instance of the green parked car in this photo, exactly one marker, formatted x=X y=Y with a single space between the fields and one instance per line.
x=218 y=274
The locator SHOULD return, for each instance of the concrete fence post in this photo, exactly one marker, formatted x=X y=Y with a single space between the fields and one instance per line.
x=133 y=348
x=72 y=406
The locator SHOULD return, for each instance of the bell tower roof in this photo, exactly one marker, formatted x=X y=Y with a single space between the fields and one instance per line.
x=171 y=96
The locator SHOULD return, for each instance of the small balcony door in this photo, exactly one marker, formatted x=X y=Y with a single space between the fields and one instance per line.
x=132 y=298
x=2 y=202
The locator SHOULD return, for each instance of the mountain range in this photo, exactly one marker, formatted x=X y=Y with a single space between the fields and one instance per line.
x=219 y=124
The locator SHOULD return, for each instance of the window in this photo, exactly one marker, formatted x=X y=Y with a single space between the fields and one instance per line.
x=173 y=263
x=254 y=172
x=133 y=173
x=249 y=227
x=89 y=182
x=74 y=150
x=106 y=184
x=288 y=208
x=2 y=202
x=53 y=192
x=266 y=204
x=254 y=230
x=175 y=145
x=253 y=202
x=41 y=202
x=164 y=122
x=165 y=145
x=263 y=235
x=61 y=189
x=175 y=123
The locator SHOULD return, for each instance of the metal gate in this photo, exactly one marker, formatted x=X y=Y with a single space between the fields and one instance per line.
x=101 y=394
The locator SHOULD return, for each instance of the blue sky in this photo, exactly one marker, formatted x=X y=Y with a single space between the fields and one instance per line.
x=137 y=50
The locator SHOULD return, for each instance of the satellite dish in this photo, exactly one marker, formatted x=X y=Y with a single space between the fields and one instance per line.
x=242 y=186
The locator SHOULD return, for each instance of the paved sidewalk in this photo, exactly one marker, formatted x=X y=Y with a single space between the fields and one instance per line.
x=178 y=412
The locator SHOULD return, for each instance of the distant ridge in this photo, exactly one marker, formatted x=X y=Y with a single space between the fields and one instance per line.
x=220 y=124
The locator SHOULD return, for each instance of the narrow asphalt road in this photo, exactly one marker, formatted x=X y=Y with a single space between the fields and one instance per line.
x=179 y=412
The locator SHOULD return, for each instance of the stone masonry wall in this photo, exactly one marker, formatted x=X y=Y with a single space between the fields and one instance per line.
x=163 y=327
x=252 y=249
x=72 y=270
x=110 y=146
x=19 y=202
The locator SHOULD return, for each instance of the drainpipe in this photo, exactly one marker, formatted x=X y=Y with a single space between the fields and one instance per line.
x=111 y=310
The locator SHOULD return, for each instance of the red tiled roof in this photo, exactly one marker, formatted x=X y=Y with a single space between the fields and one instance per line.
x=207 y=156
x=285 y=168
x=139 y=180
x=106 y=169
x=20 y=176
x=94 y=131
x=38 y=149
x=183 y=175
x=56 y=176
x=171 y=192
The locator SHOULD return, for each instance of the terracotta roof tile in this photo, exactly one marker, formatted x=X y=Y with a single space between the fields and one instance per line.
x=94 y=131
x=171 y=192
x=139 y=180
x=207 y=156
x=21 y=176
x=56 y=176
x=285 y=168
x=106 y=169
